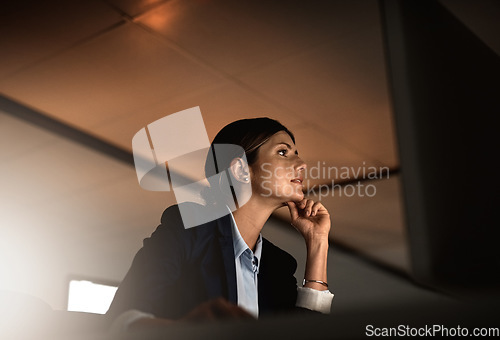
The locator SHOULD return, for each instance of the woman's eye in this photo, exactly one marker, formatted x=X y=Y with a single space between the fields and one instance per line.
x=282 y=152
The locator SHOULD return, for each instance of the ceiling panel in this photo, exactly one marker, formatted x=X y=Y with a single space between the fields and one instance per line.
x=219 y=103
x=239 y=36
x=117 y=73
x=340 y=90
x=33 y=30
x=134 y=7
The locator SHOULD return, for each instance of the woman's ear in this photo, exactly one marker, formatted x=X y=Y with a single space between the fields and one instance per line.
x=239 y=170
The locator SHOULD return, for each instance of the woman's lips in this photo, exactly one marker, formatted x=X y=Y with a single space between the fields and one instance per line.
x=297 y=181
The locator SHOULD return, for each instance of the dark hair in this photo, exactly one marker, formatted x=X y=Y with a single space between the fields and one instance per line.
x=250 y=134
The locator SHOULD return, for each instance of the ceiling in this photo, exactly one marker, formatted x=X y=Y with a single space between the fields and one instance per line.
x=110 y=68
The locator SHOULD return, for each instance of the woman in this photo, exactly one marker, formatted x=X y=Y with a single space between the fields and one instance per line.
x=224 y=267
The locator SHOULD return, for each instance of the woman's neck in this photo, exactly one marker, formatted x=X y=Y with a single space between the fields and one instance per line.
x=250 y=219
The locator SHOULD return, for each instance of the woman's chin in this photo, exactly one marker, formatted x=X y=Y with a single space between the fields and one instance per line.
x=296 y=197
x=281 y=198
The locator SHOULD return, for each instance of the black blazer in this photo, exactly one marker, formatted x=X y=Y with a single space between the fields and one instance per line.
x=178 y=268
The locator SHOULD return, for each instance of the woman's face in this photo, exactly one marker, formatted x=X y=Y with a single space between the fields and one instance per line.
x=278 y=172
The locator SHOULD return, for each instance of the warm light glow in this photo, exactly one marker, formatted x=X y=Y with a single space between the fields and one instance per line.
x=162 y=18
x=86 y=296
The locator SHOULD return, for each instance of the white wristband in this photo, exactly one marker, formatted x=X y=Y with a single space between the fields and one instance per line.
x=313 y=299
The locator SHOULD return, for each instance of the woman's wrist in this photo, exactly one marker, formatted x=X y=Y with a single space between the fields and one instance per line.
x=314 y=241
x=316 y=264
x=317 y=253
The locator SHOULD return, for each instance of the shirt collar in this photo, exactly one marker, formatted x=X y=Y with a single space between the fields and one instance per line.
x=239 y=244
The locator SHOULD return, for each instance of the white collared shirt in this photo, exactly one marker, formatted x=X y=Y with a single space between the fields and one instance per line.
x=247 y=269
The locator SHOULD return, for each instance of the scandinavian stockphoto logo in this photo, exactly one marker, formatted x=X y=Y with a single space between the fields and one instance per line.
x=170 y=155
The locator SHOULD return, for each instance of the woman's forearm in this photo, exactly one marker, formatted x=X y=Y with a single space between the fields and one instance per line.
x=316 y=264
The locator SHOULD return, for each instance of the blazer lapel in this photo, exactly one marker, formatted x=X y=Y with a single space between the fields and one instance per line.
x=226 y=243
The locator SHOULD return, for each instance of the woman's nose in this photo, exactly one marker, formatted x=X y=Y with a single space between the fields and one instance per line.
x=301 y=165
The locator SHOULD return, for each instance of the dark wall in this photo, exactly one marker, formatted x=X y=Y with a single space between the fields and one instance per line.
x=445 y=86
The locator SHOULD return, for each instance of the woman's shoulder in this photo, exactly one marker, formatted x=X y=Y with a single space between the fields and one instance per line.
x=190 y=214
x=173 y=214
x=187 y=220
x=173 y=230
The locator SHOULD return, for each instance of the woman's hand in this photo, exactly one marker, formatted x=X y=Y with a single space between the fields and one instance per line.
x=310 y=218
